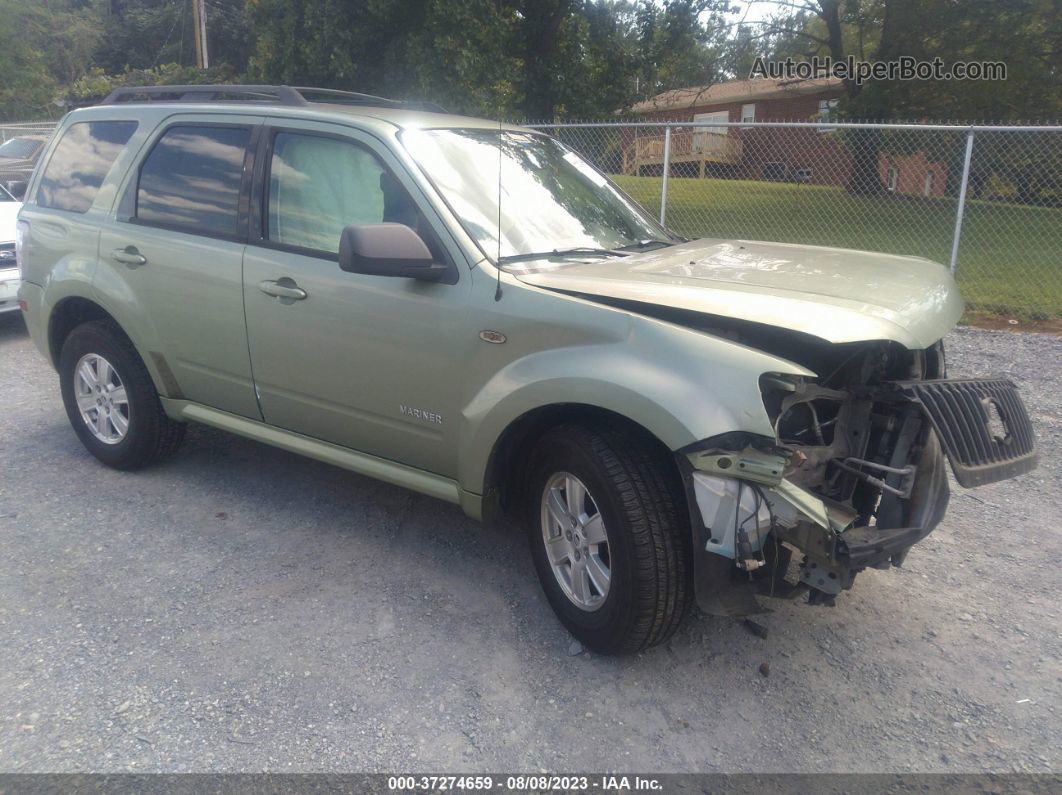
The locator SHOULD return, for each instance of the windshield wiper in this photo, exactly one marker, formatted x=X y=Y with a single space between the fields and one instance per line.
x=644 y=244
x=564 y=252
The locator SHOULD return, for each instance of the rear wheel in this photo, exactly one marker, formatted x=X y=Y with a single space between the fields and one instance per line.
x=609 y=536
x=111 y=401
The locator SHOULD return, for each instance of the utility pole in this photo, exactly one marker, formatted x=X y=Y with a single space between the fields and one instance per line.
x=202 y=56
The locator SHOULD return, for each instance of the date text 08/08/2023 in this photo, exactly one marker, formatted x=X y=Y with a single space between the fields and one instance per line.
x=519 y=783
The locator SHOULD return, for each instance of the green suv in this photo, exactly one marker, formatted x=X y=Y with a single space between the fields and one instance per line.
x=471 y=310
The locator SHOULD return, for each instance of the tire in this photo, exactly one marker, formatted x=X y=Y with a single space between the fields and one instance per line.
x=634 y=490
x=130 y=434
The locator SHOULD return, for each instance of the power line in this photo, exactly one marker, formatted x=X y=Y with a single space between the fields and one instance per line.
x=226 y=11
x=177 y=18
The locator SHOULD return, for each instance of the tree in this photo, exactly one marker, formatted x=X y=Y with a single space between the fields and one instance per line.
x=538 y=42
x=682 y=43
x=142 y=34
x=534 y=59
x=453 y=53
x=1025 y=34
x=27 y=89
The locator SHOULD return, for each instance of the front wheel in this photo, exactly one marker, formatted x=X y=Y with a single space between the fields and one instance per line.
x=609 y=536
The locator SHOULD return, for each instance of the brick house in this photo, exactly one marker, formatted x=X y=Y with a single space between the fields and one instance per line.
x=777 y=154
x=913 y=174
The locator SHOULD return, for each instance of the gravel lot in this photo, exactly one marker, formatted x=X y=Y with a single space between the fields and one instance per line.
x=242 y=609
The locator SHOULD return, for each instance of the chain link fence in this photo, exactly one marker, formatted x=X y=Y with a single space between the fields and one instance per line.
x=23 y=128
x=984 y=201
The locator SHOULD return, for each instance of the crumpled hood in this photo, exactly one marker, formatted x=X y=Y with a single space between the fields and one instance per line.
x=840 y=295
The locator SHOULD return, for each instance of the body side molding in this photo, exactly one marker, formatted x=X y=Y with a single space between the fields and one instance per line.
x=380 y=468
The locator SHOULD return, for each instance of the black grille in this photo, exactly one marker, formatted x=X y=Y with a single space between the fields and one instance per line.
x=982 y=425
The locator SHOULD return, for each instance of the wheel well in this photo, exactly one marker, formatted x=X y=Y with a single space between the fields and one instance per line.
x=506 y=478
x=68 y=315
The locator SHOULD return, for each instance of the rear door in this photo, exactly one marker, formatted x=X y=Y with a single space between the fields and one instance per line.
x=175 y=246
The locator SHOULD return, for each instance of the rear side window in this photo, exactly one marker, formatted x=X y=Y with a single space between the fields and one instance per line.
x=81 y=162
x=192 y=178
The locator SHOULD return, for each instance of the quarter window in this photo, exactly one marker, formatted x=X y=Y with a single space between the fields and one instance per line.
x=81 y=162
x=319 y=185
x=192 y=179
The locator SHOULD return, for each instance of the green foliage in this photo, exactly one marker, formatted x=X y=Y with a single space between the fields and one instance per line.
x=1024 y=34
x=141 y=34
x=96 y=84
x=63 y=52
x=452 y=53
x=41 y=45
x=540 y=59
x=528 y=58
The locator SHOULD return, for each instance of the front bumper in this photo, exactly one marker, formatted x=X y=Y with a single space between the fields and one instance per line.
x=792 y=519
x=747 y=527
x=9 y=284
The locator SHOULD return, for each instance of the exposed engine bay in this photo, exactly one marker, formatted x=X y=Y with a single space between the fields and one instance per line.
x=855 y=474
x=854 y=439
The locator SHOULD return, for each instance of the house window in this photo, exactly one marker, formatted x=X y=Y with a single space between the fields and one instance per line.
x=894 y=175
x=710 y=139
x=748 y=112
x=927 y=187
x=827 y=110
x=716 y=116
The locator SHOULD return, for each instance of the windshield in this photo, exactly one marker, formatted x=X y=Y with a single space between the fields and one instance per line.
x=19 y=148
x=552 y=201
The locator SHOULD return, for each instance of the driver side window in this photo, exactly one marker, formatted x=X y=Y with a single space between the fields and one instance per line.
x=318 y=186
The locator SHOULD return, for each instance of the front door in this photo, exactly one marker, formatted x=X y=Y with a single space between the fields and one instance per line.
x=372 y=363
x=177 y=244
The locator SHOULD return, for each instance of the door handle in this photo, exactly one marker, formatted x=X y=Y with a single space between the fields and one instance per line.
x=129 y=256
x=282 y=288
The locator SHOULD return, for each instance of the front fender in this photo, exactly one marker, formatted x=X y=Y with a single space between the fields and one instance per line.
x=680 y=385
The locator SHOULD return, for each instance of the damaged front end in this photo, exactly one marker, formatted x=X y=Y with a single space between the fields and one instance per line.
x=853 y=477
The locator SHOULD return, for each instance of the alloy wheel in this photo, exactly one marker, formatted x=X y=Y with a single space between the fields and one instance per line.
x=576 y=540
x=101 y=398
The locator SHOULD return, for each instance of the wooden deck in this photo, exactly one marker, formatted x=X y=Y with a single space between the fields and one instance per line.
x=687 y=146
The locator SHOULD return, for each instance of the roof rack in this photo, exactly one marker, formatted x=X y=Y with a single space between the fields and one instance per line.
x=274 y=95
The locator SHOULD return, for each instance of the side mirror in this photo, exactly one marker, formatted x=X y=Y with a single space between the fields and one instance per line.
x=387 y=250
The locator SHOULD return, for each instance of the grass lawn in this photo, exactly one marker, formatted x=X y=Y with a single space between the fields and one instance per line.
x=1010 y=258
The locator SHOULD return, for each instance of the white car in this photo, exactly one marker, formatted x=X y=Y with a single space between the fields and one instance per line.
x=9 y=275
